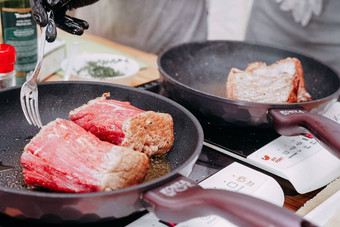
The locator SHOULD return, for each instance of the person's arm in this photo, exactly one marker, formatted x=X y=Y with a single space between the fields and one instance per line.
x=58 y=10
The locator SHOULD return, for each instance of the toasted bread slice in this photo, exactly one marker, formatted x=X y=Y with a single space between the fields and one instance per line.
x=281 y=82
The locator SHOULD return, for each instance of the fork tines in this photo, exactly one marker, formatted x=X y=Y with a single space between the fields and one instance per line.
x=30 y=108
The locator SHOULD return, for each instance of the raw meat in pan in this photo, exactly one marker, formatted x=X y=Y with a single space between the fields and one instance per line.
x=281 y=82
x=65 y=157
x=123 y=124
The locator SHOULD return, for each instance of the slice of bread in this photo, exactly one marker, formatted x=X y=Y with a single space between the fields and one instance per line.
x=281 y=82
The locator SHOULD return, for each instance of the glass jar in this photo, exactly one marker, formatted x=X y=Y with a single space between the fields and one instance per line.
x=20 y=30
x=7 y=61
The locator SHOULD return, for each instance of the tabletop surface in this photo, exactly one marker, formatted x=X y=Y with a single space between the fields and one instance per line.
x=147 y=74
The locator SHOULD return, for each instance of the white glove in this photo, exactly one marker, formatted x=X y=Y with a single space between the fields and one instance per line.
x=302 y=10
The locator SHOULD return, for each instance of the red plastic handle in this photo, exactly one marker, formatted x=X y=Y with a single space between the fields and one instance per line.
x=290 y=122
x=182 y=199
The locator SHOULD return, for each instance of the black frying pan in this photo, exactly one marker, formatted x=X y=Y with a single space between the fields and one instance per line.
x=172 y=197
x=195 y=75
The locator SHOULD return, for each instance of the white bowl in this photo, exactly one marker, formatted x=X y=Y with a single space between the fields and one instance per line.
x=127 y=66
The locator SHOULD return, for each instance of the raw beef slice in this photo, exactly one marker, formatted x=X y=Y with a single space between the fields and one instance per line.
x=123 y=124
x=65 y=157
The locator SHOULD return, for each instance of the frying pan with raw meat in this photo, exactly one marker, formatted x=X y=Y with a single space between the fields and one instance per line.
x=195 y=75
x=172 y=197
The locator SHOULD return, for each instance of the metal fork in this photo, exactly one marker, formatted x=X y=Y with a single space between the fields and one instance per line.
x=29 y=90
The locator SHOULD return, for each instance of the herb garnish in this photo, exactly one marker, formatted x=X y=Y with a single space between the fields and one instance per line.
x=101 y=68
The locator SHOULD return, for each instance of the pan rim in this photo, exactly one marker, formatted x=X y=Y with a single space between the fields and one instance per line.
x=244 y=102
x=140 y=187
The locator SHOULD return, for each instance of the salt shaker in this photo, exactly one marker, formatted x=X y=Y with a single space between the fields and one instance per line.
x=7 y=61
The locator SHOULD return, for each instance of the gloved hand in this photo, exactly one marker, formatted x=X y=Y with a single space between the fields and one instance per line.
x=58 y=17
x=302 y=10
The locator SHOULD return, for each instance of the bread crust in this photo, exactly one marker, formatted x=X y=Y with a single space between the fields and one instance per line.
x=281 y=82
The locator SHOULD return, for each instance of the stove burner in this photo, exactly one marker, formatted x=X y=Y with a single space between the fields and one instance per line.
x=240 y=141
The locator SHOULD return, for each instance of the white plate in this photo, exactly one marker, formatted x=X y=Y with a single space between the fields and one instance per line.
x=127 y=66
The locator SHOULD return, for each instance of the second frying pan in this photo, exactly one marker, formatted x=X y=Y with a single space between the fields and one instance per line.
x=195 y=74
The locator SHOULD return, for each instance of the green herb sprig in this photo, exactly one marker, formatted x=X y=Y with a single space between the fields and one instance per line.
x=101 y=68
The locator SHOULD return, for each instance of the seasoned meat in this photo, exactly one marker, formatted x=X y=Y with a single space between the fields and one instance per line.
x=65 y=157
x=281 y=82
x=123 y=124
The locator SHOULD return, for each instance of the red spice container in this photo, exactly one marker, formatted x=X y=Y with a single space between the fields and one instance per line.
x=7 y=61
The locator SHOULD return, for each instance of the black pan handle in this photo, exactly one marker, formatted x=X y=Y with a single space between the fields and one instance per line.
x=182 y=199
x=289 y=122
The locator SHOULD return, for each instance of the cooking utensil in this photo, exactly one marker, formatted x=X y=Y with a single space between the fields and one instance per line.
x=29 y=90
x=171 y=197
x=195 y=75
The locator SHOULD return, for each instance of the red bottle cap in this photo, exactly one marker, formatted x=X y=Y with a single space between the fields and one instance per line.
x=7 y=58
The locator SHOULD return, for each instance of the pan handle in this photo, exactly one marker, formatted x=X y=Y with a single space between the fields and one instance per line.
x=182 y=199
x=289 y=122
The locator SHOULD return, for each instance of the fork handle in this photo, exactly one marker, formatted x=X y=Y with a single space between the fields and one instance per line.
x=42 y=42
